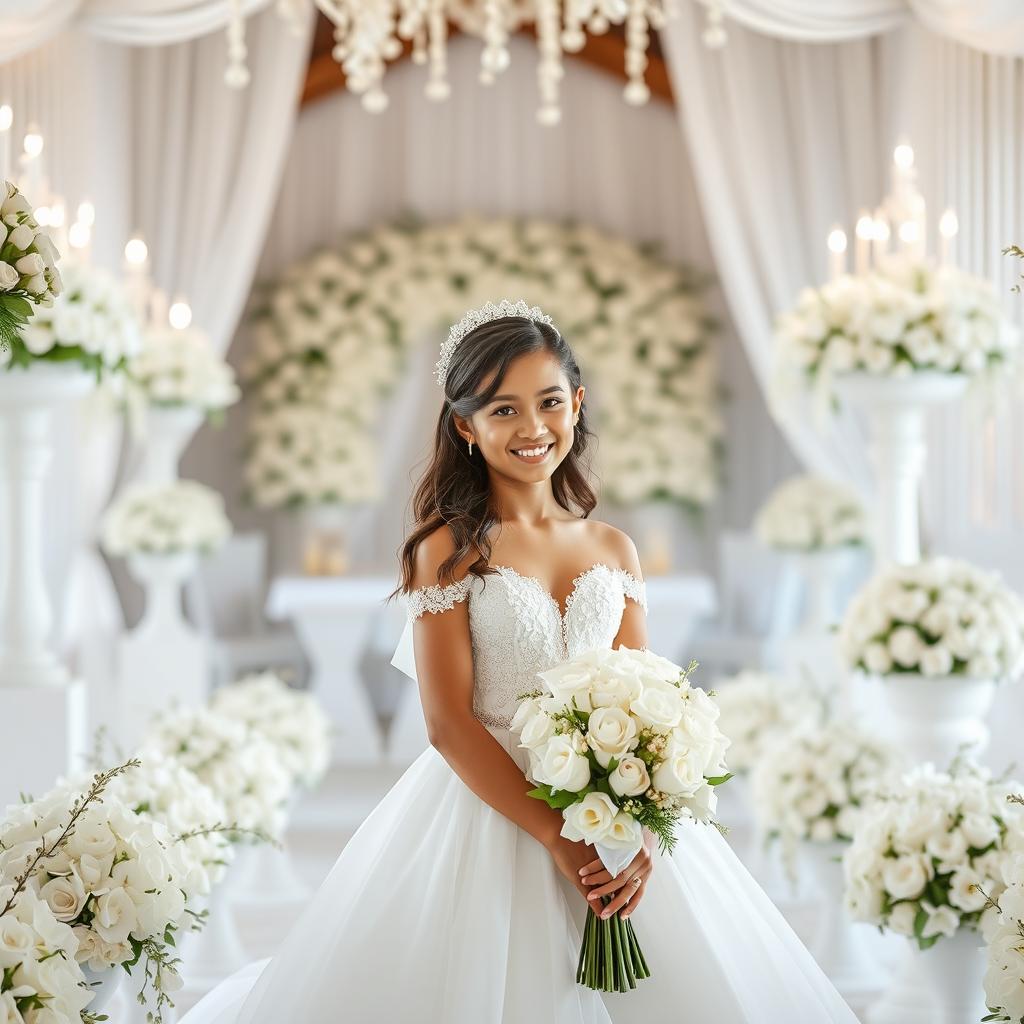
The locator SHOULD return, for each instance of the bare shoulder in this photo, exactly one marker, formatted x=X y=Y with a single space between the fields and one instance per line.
x=618 y=544
x=431 y=553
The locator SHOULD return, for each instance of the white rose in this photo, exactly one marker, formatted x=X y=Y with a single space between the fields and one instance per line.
x=936 y=660
x=9 y=277
x=679 y=774
x=65 y=895
x=562 y=767
x=877 y=658
x=941 y=921
x=21 y=237
x=979 y=829
x=589 y=819
x=905 y=646
x=901 y=918
x=950 y=848
x=17 y=941
x=115 y=916
x=905 y=877
x=537 y=731
x=630 y=777
x=963 y=891
x=30 y=265
x=611 y=732
x=657 y=708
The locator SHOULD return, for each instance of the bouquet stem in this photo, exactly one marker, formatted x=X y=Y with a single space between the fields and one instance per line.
x=610 y=955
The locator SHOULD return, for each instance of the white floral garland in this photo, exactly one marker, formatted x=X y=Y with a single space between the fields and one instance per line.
x=335 y=331
x=809 y=513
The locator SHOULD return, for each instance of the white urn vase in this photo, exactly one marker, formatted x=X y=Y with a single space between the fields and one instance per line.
x=840 y=945
x=212 y=954
x=103 y=985
x=166 y=433
x=941 y=985
x=822 y=573
x=934 y=716
x=895 y=408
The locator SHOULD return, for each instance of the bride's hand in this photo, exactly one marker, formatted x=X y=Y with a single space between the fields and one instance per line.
x=569 y=858
x=598 y=881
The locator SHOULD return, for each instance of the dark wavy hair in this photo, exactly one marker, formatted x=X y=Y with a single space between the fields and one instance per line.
x=454 y=488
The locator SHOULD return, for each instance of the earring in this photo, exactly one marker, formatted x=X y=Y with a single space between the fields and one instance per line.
x=471 y=447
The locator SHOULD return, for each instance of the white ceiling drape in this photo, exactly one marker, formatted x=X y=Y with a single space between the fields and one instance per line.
x=28 y=24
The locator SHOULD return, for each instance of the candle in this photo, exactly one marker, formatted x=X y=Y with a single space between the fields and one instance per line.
x=836 y=253
x=6 y=121
x=32 y=165
x=136 y=259
x=865 y=232
x=948 y=228
x=902 y=170
x=879 y=237
x=180 y=314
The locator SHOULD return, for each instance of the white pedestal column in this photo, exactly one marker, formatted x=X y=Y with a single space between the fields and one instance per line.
x=42 y=713
x=163 y=661
x=167 y=432
x=895 y=408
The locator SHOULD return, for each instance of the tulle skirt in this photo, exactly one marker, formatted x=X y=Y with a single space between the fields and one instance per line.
x=440 y=910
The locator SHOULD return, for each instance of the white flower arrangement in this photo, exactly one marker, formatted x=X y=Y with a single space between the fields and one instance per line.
x=619 y=741
x=292 y=720
x=92 y=322
x=117 y=879
x=901 y=318
x=41 y=981
x=940 y=617
x=164 y=519
x=237 y=763
x=927 y=851
x=336 y=330
x=1004 y=934
x=28 y=273
x=809 y=513
x=178 y=368
x=757 y=708
x=811 y=783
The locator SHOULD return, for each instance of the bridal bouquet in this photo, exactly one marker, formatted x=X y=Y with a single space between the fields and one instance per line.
x=809 y=513
x=116 y=878
x=929 y=851
x=755 y=709
x=41 y=981
x=619 y=741
x=812 y=783
x=164 y=519
x=238 y=764
x=292 y=720
x=92 y=322
x=178 y=368
x=903 y=317
x=1004 y=933
x=937 y=618
x=28 y=272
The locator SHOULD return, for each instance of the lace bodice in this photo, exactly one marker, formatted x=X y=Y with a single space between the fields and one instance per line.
x=518 y=629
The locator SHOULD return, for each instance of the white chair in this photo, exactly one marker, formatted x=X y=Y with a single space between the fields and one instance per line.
x=225 y=600
x=759 y=606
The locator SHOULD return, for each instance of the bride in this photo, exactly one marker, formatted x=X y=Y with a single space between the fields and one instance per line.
x=458 y=901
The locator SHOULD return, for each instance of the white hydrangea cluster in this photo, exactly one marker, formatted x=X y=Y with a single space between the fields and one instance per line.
x=924 y=852
x=41 y=981
x=756 y=709
x=92 y=320
x=1004 y=933
x=163 y=519
x=119 y=880
x=292 y=720
x=337 y=329
x=238 y=764
x=179 y=368
x=811 y=782
x=903 y=317
x=937 y=618
x=810 y=513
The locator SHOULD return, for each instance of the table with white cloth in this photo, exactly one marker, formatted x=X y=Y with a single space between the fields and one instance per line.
x=336 y=616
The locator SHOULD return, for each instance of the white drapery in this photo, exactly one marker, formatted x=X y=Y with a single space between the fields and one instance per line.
x=28 y=24
x=620 y=168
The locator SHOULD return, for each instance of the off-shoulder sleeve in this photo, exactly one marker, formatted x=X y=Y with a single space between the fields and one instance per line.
x=436 y=598
x=634 y=588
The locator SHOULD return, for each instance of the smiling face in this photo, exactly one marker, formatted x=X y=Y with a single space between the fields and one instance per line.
x=533 y=409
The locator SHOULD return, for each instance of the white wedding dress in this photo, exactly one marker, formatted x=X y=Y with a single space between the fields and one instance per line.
x=440 y=910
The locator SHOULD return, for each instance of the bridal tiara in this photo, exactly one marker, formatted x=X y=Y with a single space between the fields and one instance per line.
x=476 y=317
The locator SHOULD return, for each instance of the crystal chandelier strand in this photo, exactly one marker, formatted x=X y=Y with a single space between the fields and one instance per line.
x=437 y=87
x=549 y=69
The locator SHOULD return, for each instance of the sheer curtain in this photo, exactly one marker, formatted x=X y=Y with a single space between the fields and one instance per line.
x=624 y=169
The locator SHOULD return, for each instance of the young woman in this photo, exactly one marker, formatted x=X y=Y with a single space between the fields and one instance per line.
x=458 y=901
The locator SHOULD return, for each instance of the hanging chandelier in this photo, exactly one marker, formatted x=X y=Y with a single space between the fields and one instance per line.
x=370 y=33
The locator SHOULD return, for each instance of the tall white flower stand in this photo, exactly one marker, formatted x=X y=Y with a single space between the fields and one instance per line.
x=167 y=432
x=840 y=945
x=941 y=985
x=264 y=875
x=43 y=723
x=896 y=408
x=163 y=661
x=934 y=716
x=212 y=954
